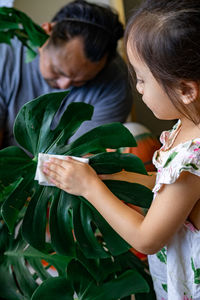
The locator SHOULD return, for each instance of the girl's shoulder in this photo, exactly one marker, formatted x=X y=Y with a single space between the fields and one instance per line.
x=171 y=162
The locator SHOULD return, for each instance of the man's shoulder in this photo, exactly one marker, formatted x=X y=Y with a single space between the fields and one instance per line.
x=14 y=45
x=10 y=53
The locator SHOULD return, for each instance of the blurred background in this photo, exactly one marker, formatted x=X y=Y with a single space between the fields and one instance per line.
x=43 y=10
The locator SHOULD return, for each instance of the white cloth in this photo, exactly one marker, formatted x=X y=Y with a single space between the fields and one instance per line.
x=43 y=157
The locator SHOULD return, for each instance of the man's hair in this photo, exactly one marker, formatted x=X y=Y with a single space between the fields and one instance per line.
x=98 y=26
x=166 y=36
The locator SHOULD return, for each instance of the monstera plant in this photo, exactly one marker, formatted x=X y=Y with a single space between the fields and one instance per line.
x=15 y=23
x=54 y=245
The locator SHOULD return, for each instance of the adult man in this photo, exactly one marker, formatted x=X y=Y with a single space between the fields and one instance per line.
x=79 y=55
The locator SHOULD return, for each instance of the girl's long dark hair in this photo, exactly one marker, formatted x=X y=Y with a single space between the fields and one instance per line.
x=166 y=36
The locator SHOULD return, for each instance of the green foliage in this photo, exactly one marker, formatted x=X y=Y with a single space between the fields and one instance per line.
x=84 y=250
x=90 y=259
x=15 y=23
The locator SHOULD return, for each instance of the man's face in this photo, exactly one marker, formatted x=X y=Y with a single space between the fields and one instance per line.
x=67 y=65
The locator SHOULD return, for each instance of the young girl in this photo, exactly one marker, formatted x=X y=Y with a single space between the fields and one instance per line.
x=163 y=47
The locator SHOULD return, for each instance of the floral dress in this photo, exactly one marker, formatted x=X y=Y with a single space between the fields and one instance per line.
x=176 y=268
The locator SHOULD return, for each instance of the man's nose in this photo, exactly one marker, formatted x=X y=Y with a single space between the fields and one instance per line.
x=64 y=82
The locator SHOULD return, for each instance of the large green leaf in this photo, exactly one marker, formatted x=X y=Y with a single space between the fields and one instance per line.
x=95 y=226
x=99 y=139
x=16 y=272
x=82 y=247
x=15 y=23
x=35 y=219
x=15 y=165
x=77 y=231
x=8 y=288
x=99 y=268
x=54 y=288
x=113 y=162
x=60 y=262
x=36 y=134
x=61 y=228
x=11 y=168
x=125 y=284
x=133 y=193
x=85 y=233
x=23 y=266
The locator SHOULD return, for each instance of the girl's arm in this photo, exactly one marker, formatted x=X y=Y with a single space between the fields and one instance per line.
x=148 y=234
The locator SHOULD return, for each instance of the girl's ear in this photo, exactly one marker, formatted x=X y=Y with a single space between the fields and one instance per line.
x=189 y=91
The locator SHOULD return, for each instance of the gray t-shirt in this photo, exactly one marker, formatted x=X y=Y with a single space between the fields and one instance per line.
x=20 y=82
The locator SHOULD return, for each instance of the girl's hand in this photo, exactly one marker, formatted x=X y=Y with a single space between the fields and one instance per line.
x=70 y=175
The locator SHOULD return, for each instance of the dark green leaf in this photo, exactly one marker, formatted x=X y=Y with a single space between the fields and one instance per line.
x=37 y=136
x=5 y=37
x=78 y=233
x=79 y=277
x=133 y=193
x=112 y=241
x=84 y=234
x=112 y=135
x=54 y=288
x=35 y=220
x=113 y=162
x=6 y=191
x=13 y=16
x=8 y=287
x=5 y=24
x=13 y=164
x=126 y=284
x=23 y=277
x=15 y=202
x=32 y=124
x=98 y=268
x=61 y=223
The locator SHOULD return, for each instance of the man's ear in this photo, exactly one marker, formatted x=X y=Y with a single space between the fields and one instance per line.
x=47 y=27
x=189 y=91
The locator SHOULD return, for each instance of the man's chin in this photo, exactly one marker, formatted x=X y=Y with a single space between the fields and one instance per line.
x=51 y=84
x=54 y=86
